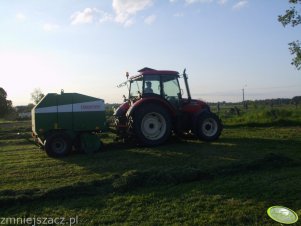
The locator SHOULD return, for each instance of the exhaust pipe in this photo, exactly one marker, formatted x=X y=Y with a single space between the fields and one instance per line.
x=186 y=84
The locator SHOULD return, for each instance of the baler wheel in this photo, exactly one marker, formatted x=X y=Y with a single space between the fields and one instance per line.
x=58 y=145
x=90 y=143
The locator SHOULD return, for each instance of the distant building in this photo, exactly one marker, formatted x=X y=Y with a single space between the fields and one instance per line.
x=24 y=112
x=24 y=115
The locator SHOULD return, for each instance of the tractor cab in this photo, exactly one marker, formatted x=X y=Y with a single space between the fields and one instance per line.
x=155 y=109
x=155 y=84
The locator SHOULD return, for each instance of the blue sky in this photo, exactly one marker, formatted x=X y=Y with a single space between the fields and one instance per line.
x=87 y=46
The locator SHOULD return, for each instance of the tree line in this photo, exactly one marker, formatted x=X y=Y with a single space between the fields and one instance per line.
x=6 y=106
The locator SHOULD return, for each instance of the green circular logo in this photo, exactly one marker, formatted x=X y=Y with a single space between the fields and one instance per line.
x=282 y=214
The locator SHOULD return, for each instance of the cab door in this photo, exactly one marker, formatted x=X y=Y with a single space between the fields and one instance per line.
x=171 y=90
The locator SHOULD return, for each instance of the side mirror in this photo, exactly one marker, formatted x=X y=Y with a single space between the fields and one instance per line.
x=179 y=96
x=124 y=98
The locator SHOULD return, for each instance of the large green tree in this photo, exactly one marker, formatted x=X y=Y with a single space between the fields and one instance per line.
x=5 y=105
x=292 y=17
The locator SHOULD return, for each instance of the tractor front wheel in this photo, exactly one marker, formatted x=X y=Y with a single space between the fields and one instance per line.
x=152 y=125
x=209 y=127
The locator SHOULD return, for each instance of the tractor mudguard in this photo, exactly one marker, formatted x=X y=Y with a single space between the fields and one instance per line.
x=196 y=117
x=155 y=100
x=122 y=109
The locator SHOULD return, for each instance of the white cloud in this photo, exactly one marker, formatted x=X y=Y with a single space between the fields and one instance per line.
x=104 y=17
x=180 y=14
x=222 y=2
x=129 y=22
x=150 y=19
x=49 y=27
x=84 y=17
x=20 y=17
x=198 y=1
x=126 y=9
x=90 y=15
x=241 y=4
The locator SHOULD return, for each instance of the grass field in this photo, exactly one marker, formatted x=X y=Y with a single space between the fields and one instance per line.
x=260 y=115
x=185 y=182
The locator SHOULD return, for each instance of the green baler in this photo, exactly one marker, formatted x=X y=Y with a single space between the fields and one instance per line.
x=66 y=120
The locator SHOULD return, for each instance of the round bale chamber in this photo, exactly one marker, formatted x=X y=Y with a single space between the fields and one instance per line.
x=66 y=120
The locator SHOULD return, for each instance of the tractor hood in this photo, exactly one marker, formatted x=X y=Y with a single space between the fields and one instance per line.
x=194 y=105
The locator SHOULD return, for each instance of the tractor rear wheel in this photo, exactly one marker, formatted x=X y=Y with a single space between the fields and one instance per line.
x=152 y=125
x=58 y=145
x=209 y=127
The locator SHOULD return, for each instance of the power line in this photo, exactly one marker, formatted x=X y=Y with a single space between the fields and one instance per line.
x=234 y=91
x=275 y=87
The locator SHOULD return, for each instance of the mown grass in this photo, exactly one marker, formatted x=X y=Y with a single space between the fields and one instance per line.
x=185 y=182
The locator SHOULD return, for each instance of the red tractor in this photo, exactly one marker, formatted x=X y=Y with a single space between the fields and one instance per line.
x=155 y=109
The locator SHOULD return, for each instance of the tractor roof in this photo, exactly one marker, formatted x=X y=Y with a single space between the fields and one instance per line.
x=160 y=72
x=150 y=71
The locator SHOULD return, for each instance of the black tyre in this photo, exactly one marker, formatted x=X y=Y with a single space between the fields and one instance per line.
x=58 y=145
x=151 y=124
x=77 y=145
x=90 y=143
x=209 y=127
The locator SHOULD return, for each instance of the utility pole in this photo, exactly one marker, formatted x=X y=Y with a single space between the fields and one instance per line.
x=243 y=97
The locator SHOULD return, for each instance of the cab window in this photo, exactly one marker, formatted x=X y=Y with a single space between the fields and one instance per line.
x=171 y=87
x=136 y=87
x=152 y=84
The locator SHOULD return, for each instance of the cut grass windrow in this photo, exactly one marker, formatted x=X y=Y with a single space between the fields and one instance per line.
x=134 y=179
x=184 y=182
